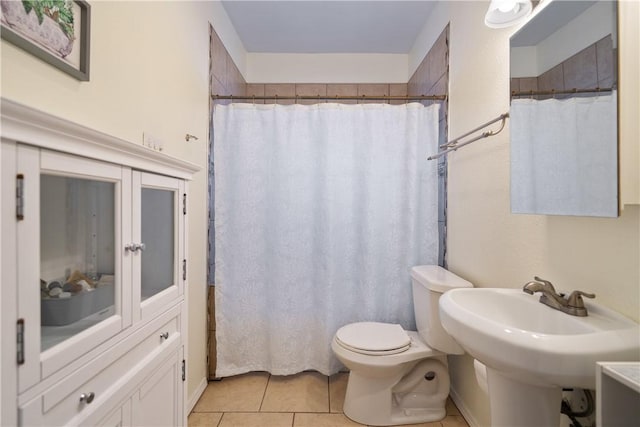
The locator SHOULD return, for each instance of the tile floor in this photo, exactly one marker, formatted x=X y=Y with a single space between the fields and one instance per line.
x=308 y=399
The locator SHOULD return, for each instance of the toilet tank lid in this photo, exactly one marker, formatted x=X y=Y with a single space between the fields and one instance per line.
x=438 y=279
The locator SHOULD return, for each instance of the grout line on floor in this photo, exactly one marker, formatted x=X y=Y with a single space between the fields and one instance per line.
x=328 y=394
x=264 y=393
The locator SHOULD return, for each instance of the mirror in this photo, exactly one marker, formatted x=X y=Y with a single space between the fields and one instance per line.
x=564 y=143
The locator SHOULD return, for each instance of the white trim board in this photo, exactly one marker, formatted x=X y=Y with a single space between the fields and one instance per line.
x=30 y=126
x=193 y=399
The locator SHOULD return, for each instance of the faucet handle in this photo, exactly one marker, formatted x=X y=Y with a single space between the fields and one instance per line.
x=575 y=298
x=546 y=282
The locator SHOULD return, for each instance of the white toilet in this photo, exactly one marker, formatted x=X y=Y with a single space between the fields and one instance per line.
x=398 y=376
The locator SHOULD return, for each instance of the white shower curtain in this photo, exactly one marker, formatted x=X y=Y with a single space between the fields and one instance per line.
x=564 y=156
x=320 y=212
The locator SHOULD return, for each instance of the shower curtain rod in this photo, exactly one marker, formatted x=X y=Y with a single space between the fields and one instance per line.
x=334 y=98
x=560 y=92
x=454 y=144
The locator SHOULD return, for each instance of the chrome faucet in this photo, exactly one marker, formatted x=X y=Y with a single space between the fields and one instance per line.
x=573 y=304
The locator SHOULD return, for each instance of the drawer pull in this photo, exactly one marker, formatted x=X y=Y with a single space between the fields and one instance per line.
x=164 y=335
x=87 y=397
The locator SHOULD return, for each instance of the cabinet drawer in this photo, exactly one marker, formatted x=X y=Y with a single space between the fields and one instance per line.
x=101 y=384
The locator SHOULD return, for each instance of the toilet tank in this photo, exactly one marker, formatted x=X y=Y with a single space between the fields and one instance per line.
x=429 y=283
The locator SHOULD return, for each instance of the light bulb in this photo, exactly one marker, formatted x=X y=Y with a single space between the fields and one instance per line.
x=507 y=6
x=504 y=13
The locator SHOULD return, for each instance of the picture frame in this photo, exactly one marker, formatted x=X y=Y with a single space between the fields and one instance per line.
x=55 y=31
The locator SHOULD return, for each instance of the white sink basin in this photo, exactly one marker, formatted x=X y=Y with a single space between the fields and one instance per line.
x=512 y=332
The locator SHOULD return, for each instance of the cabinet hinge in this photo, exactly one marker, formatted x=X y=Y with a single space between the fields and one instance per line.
x=184 y=203
x=20 y=197
x=20 y=341
x=184 y=269
x=184 y=370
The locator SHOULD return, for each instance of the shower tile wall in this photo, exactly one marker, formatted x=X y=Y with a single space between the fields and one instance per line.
x=324 y=90
x=310 y=90
x=211 y=334
x=279 y=90
x=430 y=78
x=590 y=68
x=344 y=89
x=224 y=76
x=396 y=89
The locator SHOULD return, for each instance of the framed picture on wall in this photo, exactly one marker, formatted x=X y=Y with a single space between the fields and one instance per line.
x=56 y=31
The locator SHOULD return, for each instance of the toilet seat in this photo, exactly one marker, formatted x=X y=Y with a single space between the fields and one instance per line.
x=373 y=338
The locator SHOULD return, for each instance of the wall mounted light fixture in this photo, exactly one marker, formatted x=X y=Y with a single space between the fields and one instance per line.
x=504 y=13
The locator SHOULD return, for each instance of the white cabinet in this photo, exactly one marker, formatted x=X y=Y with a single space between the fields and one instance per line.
x=617 y=394
x=159 y=399
x=119 y=418
x=93 y=273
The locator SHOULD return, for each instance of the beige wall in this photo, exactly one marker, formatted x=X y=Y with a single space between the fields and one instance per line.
x=490 y=246
x=486 y=243
x=628 y=96
x=149 y=73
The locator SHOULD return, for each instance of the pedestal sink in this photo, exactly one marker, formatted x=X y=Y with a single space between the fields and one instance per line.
x=533 y=351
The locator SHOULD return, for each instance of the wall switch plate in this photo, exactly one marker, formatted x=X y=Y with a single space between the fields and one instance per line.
x=152 y=142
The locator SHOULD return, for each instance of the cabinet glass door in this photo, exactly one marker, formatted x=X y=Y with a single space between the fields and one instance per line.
x=77 y=255
x=69 y=258
x=158 y=246
x=158 y=234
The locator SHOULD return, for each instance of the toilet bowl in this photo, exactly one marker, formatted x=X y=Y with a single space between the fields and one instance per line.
x=391 y=389
x=398 y=376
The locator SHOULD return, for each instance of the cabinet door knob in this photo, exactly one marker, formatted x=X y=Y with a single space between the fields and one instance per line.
x=135 y=247
x=164 y=335
x=87 y=397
